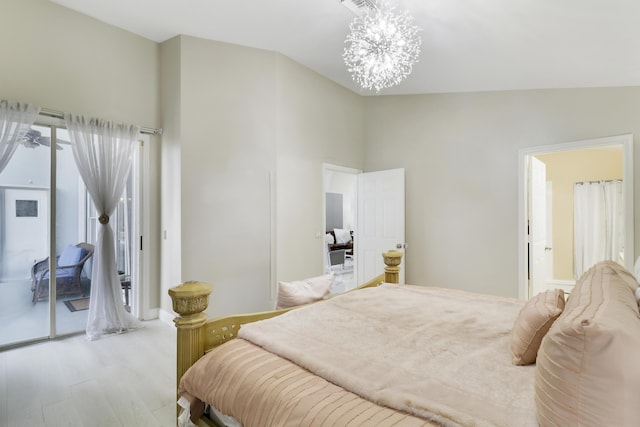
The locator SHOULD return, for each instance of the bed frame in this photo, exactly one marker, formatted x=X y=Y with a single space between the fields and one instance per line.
x=196 y=335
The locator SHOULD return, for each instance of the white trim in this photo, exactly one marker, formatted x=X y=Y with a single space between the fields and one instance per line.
x=53 y=214
x=566 y=285
x=627 y=148
x=165 y=316
x=82 y=211
x=561 y=282
x=23 y=187
x=141 y=288
x=273 y=238
x=151 y=314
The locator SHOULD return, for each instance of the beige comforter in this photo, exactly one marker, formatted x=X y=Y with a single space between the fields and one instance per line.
x=440 y=354
x=261 y=389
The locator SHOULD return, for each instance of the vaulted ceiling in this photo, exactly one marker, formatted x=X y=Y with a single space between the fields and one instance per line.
x=467 y=45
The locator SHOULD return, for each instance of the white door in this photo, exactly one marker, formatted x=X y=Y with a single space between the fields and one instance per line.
x=537 y=226
x=380 y=225
x=548 y=250
x=26 y=236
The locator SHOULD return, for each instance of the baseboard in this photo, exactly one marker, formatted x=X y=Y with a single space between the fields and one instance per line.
x=566 y=285
x=166 y=316
x=559 y=282
x=151 y=314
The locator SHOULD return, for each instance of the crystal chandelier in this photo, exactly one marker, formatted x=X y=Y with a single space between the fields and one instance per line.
x=382 y=46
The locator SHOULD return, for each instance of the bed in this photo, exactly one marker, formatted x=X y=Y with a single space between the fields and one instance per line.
x=403 y=355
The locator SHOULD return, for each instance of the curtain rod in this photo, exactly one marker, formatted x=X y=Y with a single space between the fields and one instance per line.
x=597 y=182
x=60 y=115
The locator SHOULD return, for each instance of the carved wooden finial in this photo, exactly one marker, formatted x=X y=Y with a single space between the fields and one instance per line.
x=392 y=261
x=189 y=300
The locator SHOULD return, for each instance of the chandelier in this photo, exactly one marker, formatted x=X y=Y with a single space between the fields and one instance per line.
x=382 y=46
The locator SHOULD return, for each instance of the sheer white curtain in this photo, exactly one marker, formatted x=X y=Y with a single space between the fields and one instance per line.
x=15 y=120
x=103 y=153
x=598 y=224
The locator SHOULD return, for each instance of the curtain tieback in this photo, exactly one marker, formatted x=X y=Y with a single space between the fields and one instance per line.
x=104 y=219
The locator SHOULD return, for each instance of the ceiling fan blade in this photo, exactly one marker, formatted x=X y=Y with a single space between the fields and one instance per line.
x=29 y=144
x=30 y=137
x=33 y=134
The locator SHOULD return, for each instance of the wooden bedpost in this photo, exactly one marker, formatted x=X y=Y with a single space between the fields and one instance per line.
x=189 y=299
x=392 y=270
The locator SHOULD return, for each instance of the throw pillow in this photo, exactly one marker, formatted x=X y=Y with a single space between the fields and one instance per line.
x=586 y=371
x=532 y=323
x=304 y=291
x=71 y=255
x=342 y=235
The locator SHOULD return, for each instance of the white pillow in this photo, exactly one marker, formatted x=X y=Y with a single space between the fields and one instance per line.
x=304 y=291
x=342 y=235
x=328 y=238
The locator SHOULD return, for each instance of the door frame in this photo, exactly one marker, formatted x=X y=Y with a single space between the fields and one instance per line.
x=537 y=253
x=626 y=141
x=328 y=167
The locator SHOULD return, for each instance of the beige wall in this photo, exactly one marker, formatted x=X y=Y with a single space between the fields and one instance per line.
x=170 y=230
x=564 y=169
x=318 y=122
x=460 y=152
x=251 y=130
x=60 y=59
x=219 y=159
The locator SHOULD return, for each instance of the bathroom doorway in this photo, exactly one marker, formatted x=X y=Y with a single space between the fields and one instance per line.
x=548 y=178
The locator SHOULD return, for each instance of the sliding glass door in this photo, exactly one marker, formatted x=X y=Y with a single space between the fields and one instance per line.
x=24 y=238
x=73 y=285
x=44 y=213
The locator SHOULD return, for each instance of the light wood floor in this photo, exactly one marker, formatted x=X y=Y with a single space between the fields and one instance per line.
x=121 y=380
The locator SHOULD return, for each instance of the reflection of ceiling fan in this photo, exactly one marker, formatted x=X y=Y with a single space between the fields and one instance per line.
x=33 y=138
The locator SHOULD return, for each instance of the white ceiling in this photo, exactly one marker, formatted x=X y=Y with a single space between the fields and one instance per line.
x=467 y=45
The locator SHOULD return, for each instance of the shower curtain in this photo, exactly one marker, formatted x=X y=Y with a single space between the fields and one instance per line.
x=598 y=223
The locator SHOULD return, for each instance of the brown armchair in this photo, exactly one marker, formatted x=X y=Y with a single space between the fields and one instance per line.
x=69 y=265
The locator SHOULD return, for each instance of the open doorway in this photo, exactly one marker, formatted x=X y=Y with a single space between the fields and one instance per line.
x=557 y=242
x=340 y=186
x=373 y=206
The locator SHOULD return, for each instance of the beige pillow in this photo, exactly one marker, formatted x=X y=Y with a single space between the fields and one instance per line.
x=304 y=291
x=532 y=323
x=587 y=370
